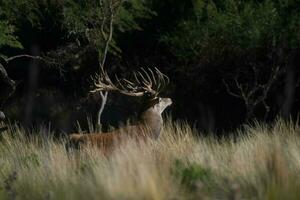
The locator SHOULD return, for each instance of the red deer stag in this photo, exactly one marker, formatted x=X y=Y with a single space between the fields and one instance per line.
x=146 y=83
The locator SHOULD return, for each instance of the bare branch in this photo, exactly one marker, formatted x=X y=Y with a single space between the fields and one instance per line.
x=110 y=33
x=258 y=93
x=103 y=103
x=10 y=84
x=105 y=51
x=105 y=80
x=229 y=90
x=23 y=56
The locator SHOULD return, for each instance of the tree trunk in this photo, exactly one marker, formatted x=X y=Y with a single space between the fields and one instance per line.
x=32 y=87
x=103 y=103
x=7 y=85
x=289 y=92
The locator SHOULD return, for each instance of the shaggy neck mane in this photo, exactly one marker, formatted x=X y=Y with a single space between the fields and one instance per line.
x=152 y=120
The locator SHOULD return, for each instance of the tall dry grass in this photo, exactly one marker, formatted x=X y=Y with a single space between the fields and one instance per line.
x=262 y=163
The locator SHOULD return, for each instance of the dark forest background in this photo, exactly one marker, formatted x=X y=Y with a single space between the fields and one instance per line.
x=229 y=61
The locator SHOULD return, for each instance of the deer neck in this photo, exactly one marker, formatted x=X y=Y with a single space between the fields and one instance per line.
x=153 y=122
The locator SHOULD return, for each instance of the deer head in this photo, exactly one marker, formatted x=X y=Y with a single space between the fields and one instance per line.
x=158 y=104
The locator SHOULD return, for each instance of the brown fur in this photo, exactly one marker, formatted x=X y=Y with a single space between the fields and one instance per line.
x=107 y=141
x=149 y=126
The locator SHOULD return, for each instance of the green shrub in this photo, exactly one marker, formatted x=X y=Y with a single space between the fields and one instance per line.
x=192 y=174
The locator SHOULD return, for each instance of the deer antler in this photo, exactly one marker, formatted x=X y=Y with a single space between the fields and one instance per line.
x=144 y=82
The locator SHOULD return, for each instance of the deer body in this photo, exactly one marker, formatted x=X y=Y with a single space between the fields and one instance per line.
x=105 y=141
x=148 y=127
x=147 y=84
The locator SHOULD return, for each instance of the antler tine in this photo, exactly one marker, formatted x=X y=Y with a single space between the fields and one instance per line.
x=166 y=80
x=148 y=77
x=103 y=82
x=158 y=81
x=127 y=81
x=163 y=79
x=127 y=85
x=153 y=76
x=144 y=81
x=109 y=81
x=136 y=78
x=130 y=85
x=119 y=83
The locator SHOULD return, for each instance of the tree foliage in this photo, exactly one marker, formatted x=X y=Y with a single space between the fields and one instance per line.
x=7 y=37
x=238 y=27
x=221 y=39
x=213 y=50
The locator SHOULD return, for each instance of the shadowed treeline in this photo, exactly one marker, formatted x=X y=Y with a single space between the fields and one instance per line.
x=229 y=61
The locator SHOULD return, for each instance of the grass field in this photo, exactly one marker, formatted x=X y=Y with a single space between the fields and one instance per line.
x=262 y=163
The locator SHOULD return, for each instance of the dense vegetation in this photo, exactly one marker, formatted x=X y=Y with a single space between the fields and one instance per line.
x=261 y=164
x=230 y=62
x=218 y=53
